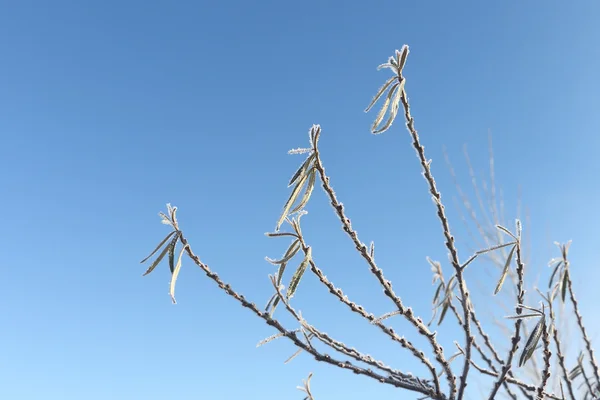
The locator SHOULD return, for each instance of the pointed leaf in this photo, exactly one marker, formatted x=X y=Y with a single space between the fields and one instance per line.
x=302 y=169
x=175 y=274
x=505 y=271
x=444 y=310
x=402 y=57
x=309 y=188
x=158 y=247
x=394 y=110
x=298 y=275
x=157 y=261
x=565 y=283
x=437 y=292
x=554 y=273
x=384 y=108
x=290 y=201
x=532 y=341
x=172 y=251
x=290 y=252
x=380 y=92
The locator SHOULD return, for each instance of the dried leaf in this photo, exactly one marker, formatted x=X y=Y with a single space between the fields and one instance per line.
x=298 y=275
x=532 y=341
x=505 y=270
x=380 y=92
x=158 y=247
x=175 y=274
x=309 y=188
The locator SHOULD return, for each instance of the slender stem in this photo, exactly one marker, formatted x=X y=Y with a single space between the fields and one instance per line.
x=337 y=292
x=516 y=338
x=559 y=354
x=407 y=312
x=464 y=293
x=415 y=385
x=546 y=370
x=586 y=339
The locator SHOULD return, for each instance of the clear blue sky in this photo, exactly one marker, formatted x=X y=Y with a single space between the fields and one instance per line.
x=110 y=110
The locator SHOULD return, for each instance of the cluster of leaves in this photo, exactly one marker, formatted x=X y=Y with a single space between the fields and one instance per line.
x=174 y=236
x=304 y=177
x=561 y=270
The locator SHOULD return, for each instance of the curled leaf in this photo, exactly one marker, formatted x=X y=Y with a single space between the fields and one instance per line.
x=175 y=274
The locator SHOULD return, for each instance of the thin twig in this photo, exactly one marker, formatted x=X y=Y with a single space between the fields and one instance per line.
x=515 y=339
x=464 y=293
x=407 y=312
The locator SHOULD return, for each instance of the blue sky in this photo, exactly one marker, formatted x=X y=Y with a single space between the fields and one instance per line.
x=110 y=110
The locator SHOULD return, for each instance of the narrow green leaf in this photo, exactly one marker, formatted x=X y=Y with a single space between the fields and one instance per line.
x=309 y=189
x=172 y=251
x=298 y=275
x=158 y=247
x=565 y=283
x=290 y=201
x=437 y=292
x=380 y=92
x=444 y=310
x=554 y=273
x=175 y=274
x=505 y=270
x=302 y=168
x=532 y=341
x=384 y=108
x=157 y=261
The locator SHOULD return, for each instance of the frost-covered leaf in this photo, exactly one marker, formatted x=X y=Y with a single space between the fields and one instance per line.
x=380 y=92
x=532 y=341
x=505 y=270
x=307 y=192
x=158 y=247
x=384 y=108
x=175 y=274
x=305 y=165
x=290 y=201
x=298 y=274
